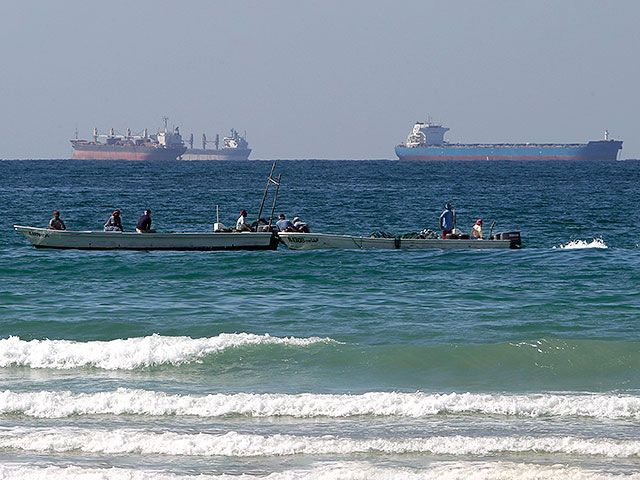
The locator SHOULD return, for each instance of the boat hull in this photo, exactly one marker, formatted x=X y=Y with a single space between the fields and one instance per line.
x=221 y=154
x=99 y=240
x=326 y=241
x=596 y=150
x=85 y=151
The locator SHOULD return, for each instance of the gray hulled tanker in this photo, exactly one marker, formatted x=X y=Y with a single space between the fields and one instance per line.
x=234 y=147
x=426 y=142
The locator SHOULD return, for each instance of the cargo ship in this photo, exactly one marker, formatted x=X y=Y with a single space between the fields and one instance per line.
x=234 y=147
x=164 y=145
x=426 y=142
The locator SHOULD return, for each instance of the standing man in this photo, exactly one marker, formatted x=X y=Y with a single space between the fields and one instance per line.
x=447 y=220
x=144 y=223
x=56 y=222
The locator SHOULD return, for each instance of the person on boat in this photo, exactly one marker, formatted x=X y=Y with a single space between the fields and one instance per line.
x=144 y=223
x=285 y=225
x=300 y=225
x=56 y=222
x=241 y=224
x=114 y=223
x=447 y=220
x=476 y=232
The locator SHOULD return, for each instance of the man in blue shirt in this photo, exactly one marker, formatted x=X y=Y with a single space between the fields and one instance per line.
x=285 y=225
x=447 y=220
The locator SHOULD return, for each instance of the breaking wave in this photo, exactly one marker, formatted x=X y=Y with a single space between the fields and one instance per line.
x=124 y=401
x=334 y=471
x=233 y=444
x=131 y=353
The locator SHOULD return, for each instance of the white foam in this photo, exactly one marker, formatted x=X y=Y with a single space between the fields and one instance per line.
x=233 y=444
x=50 y=404
x=131 y=353
x=578 y=244
x=333 y=471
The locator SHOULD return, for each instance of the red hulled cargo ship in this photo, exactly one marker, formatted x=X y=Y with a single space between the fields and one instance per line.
x=164 y=145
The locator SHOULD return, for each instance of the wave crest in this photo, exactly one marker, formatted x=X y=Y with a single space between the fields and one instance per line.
x=130 y=353
x=233 y=444
x=308 y=405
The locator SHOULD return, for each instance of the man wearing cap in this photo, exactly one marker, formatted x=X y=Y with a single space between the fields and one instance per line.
x=144 y=223
x=300 y=225
x=447 y=220
x=241 y=224
x=476 y=232
x=114 y=223
x=56 y=222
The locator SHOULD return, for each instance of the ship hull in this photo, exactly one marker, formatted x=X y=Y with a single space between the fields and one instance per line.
x=597 y=150
x=220 y=154
x=118 y=152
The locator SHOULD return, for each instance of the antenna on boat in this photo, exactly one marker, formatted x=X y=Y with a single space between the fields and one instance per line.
x=266 y=190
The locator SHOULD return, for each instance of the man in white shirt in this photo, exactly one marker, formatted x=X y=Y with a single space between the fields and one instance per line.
x=241 y=224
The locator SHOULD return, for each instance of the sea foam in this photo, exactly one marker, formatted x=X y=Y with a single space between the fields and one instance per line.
x=578 y=244
x=233 y=444
x=331 y=471
x=51 y=404
x=130 y=353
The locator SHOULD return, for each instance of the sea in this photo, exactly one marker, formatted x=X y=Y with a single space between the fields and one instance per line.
x=327 y=364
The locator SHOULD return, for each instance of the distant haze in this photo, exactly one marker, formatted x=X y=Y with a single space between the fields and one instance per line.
x=330 y=79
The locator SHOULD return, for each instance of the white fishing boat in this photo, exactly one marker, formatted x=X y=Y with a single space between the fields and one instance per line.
x=101 y=240
x=328 y=241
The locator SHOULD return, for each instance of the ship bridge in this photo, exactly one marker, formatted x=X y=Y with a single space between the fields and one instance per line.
x=426 y=134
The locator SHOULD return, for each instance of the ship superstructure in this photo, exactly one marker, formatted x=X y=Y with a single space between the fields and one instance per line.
x=234 y=147
x=426 y=142
x=164 y=145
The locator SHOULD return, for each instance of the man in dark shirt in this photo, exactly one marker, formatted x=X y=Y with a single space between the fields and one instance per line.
x=144 y=223
x=56 y=222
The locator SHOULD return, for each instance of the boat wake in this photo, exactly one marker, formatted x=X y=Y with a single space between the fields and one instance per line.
x=580 y=244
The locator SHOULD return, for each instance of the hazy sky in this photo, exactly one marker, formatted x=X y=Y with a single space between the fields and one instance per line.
x=319 y=79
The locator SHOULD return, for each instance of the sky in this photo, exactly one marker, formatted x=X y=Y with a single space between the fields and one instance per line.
x=330 y=79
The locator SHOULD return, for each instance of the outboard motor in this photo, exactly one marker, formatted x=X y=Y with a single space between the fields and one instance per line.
x=516 y=241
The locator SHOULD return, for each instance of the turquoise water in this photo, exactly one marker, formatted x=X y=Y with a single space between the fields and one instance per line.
x=323 y=364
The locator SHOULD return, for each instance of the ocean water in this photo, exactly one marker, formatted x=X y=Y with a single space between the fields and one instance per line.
x=323 y=364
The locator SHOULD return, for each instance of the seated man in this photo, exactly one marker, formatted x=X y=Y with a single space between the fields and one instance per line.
x=476 y=232
x=56 y=222
x=300 y=225
x=285 y=225
x=144 y=223
x=241 y=224
x=114 y=223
